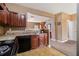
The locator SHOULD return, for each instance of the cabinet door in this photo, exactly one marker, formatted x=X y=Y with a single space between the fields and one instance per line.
x=16 y=19
x=18 y=23
x=19 y=20
x=13 y=18
x=8 y=19
x=41 y=39
x=34 y=41
x=23 y=20
x=45 y=39
x=3 y=17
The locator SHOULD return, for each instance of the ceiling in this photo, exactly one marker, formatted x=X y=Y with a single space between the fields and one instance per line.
x=52 y=7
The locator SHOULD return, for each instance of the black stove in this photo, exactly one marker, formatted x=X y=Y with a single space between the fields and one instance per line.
x=7 y=48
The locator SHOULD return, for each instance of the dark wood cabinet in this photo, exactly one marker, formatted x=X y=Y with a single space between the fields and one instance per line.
x=39 y=40
x=29 y=42
x=34 y=41
x=11 y=18
x=4 y=17
x=43 y=39
x=46 y=39
x=17 y=20
x=22 y=20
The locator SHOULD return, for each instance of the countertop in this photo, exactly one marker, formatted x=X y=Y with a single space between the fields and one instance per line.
x=13 y=36
x=7 y=37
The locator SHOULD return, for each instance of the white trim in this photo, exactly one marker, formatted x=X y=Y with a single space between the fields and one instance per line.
x=62 y=41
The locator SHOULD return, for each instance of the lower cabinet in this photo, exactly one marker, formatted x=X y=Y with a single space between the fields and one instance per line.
x=34 y=41
x=29 y=42
x=46 y=41
x=43 y=39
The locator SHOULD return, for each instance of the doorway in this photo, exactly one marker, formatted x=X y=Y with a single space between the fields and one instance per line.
x=71 y=30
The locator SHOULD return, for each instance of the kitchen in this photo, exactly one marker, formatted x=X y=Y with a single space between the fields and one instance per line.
x=28 y=30
x=16 y=32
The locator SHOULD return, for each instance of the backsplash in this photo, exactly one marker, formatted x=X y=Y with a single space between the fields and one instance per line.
x=2 y=31
x=17 y=28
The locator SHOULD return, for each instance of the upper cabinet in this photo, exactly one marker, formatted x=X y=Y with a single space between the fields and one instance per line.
x=4 y=14
x=17 y=20
x=13 y=18
x=10 y=18
x=22 y=20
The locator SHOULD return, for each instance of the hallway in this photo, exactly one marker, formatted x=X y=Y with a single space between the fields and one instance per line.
x=68 y=48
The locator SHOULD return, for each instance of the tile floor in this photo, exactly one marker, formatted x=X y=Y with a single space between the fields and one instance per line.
x=68 y=48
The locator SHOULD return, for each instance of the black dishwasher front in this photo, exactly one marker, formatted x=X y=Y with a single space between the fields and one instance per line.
x=24 y=43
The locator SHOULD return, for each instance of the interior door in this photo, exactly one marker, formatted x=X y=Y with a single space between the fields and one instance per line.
x=72 y=30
